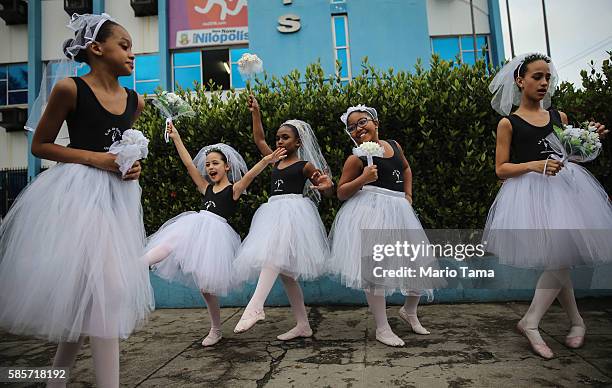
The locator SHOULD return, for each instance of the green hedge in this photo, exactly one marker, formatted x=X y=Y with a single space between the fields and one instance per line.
x=440 y=115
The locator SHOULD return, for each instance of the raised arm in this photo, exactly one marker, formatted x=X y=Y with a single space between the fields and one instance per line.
x=259 y=136
x=240 y=186
x=193 y=171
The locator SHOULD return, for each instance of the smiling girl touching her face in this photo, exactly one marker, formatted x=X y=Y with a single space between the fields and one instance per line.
x=197 y=249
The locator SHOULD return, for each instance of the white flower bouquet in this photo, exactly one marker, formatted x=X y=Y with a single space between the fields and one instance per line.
x=575 y=144
x=369 y=149
x=172 y=107
x=133 y=146
x=249 y=65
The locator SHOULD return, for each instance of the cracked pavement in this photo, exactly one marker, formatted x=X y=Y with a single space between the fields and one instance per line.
x=471 y=345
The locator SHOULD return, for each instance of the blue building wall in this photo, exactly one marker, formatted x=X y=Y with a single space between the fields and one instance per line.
x=283 y=52
x=391 y=33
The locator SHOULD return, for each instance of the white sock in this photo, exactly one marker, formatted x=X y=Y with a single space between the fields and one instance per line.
x=266 y=280
x=378 y=307
x=410 y=307
x=296 y=300
x=65 y=357
x=547 y=289
x=568 y=301
x=214 y=311
x=105 y=352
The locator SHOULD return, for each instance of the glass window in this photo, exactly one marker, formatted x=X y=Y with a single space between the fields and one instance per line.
x=446 y=48
x=3 y=85
x=185 y=77
x=236 y=54
x=146 y=87
x=3 y=92
x=18 y=76
x=342 y=51
x=14 y=84
x=187 y=68
x=187 y=58
x=467 y=43
x=342 y=57
x=340 y=29
x=20 y=97
x=236 y=79
x=215 y=64
x=127 y=81
x=147 y=67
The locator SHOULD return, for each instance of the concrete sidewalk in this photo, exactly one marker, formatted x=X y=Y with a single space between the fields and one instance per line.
x=470 y=345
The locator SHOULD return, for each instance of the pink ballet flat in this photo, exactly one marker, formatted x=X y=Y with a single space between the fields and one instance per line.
x=575 y=342
x=246 y=323
x=540 y=349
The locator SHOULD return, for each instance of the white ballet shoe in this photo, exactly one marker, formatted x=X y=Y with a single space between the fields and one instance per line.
x=214 y=336
x=246 y=323
x=413 y=321
x=388 y=337
x=296 y=332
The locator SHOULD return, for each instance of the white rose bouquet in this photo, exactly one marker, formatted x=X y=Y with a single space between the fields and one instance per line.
x=172 y=107
x=575 y=144
x=249 y=65
x=369 y=149
x=133 y=146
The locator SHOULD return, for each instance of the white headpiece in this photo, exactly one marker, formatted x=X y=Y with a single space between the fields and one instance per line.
x=86 y=29
x=506 y=92
x=235 y=161
x=309 y=151
x=357 y=108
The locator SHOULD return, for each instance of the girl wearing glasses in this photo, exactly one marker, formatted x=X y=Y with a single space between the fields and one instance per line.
x=379 y=198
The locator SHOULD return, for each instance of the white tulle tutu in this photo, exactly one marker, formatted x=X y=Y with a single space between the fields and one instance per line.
x=384 y=216
x=286 y=234
x=551 y=222
x=202 y=247
x=70 y=257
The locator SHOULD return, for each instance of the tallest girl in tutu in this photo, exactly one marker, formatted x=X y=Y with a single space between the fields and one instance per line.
x=70 y=245
x=547 y=215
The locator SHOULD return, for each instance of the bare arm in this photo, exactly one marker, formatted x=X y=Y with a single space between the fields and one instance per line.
x=504 y=169
x=353 y=178
x=320 y=181
x=240 y=186
x=61 y=102
x=407 y=175
x=139 y=108
x=258 y=132
x=193 y=171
